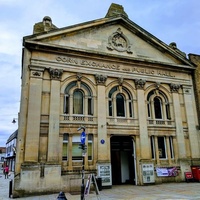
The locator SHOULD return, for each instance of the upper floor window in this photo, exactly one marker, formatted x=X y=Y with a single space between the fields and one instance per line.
x=158 y=105
x=120 y=104
x=78 y=99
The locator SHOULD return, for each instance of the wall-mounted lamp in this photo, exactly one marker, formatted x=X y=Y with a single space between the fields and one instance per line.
x=14 y=120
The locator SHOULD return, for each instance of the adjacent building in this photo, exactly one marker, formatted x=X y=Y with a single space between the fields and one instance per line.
x=2 y=156
x=11 y=150
x=133 y=93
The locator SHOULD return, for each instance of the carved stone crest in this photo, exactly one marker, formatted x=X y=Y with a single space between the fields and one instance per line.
x=119 y=42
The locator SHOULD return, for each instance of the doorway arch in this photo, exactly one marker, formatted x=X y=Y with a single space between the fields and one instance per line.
x=122 y=160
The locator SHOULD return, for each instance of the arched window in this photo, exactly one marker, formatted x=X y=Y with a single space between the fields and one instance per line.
x=79 y=98
x=120 y=103
x=158 y=105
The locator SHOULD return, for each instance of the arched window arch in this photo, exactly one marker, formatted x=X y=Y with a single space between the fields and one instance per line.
x=78 y=99
x=158 y=105
x=120 y=103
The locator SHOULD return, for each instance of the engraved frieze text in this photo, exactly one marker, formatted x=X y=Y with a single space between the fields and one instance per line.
x=110 y=66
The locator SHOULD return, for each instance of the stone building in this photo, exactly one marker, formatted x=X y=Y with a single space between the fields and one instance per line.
x=133 y=93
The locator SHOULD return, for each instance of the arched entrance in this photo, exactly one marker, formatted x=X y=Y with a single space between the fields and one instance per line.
x=122 y=160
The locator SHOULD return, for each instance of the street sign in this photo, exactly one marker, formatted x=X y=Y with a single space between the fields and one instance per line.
x=83 y=136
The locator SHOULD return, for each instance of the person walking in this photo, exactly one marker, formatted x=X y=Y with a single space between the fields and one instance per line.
x=6 y=171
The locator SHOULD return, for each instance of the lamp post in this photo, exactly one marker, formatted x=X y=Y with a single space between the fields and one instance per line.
x=83 y=147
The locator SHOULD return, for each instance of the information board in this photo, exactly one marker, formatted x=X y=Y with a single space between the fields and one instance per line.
x=104 y=171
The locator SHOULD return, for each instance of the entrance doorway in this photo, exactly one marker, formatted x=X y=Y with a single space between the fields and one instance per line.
x=122 y=160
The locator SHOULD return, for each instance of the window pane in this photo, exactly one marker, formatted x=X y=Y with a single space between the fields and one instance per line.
x=66 y=105
x=65 y=146
x=78 y=102
x=89 y=151
x=168 y=111
x=157 y=108
x=130 y=110
x=149 y=109
x=171 y=147
x=120 y=105
x=152 y=148
x=161 y=147
x=90 y=106
x=76 y=152
x=110 y=107
x=90 y=146
x=65 y=151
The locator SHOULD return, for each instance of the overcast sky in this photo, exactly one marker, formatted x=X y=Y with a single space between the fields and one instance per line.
x=170 y=21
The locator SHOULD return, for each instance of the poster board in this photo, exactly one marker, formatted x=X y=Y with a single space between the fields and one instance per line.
x=104 y=171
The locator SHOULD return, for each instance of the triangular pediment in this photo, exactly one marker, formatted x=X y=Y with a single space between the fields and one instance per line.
x=115 y=36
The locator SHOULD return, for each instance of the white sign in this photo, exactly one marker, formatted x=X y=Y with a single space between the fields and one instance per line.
x=104 y=171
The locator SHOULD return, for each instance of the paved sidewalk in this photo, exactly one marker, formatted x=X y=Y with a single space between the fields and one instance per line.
x=165 y=191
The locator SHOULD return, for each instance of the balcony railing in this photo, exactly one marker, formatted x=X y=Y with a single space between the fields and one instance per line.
x=122 y=121
x=156 y=122
x=78 y=118
x=110 y=120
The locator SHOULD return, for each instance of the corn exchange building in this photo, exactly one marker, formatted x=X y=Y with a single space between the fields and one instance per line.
x=133 y=93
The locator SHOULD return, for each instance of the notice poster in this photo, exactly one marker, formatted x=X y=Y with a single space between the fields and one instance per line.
x=166 y=171
x=104 y=171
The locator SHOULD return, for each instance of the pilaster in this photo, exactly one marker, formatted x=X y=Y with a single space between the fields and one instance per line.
x=53 y=137
x=34 y=113
x=144 y=139
x=178 y=121
x=191 y=121
x=101 y=119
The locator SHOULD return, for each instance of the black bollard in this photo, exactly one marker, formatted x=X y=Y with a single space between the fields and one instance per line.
x=61 y=196
x=10 y=188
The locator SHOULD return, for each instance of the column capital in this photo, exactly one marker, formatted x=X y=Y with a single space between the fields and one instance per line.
x=174 y=87
x=55 y=74
x=100 y=79
x=139 y=83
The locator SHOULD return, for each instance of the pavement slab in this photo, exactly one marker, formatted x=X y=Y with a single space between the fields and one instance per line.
x=164 y=191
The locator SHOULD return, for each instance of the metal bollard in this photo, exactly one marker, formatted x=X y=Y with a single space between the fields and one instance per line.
x=61 y=196
x=10 y=188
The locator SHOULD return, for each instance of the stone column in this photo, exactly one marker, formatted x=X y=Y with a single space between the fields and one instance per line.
x=191 y=121
x=53 y=155
x=144 y=139
x=178 y=121
x=33 y=117
x=101 y=119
